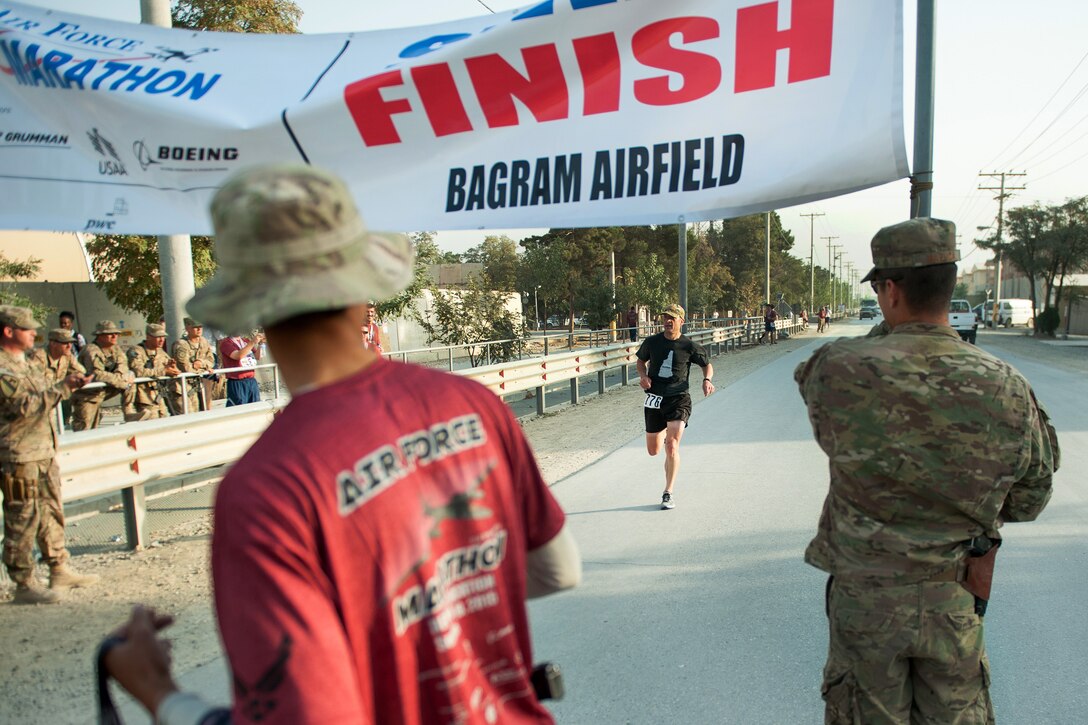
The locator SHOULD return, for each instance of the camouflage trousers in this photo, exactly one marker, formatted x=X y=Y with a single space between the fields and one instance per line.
x=32 y=512
x=905 y=654
x=87 y=408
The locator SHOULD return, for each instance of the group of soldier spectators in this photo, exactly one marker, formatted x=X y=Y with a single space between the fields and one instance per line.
x=118 y=368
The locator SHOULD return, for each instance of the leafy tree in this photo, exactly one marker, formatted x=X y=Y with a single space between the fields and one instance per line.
x=237 y=16
x=473 y=315
x=426 y=254
x=13 y=270
x=647 y=285
x=499 y=255
x=576 y=257
x=126 y=268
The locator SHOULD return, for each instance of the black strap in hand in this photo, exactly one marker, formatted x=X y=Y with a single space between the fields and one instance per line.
x=107 y=711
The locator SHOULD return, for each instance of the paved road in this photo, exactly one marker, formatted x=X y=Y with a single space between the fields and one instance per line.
x=707 y=614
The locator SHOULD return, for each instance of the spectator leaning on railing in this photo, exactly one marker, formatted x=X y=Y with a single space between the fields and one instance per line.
x=106 y=362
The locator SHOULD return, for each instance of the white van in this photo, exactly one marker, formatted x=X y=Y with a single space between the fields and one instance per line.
x=1014 y=312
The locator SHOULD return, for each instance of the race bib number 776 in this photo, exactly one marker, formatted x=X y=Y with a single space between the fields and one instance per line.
x=653 y=402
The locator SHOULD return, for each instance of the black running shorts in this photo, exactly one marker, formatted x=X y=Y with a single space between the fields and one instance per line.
x=674 y=407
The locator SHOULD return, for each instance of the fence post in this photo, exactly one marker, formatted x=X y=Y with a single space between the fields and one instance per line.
x=541 y=403
x=600 y=382
x=574 y=391
x=135 y=505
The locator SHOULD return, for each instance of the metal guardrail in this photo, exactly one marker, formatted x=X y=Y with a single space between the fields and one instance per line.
x=128 y=457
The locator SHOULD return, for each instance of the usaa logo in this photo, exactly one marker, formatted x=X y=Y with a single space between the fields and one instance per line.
x=110 y=163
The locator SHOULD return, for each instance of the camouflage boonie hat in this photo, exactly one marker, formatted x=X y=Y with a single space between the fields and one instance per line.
x=59 y=334
x=154 y=330
x=921 y=242
x=19 y=317
x=107 y=327
x=289 y=240
x=674 y=311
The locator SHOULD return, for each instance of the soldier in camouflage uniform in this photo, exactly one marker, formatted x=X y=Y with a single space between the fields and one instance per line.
x=107 y=363
x=59 y=361
x=193 y=354
x=145 y=401
x=933 y=445
x=57 y=356
x=29 y=477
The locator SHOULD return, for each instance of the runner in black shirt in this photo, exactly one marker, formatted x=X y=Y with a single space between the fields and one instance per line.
x=664 y=361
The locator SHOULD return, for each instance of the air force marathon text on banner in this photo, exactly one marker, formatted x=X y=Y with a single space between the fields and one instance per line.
x=563 y=113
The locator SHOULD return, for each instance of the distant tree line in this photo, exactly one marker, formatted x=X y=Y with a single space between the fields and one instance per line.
x=1047 y=244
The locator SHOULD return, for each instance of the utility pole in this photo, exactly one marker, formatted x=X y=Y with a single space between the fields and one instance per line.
x=767 y=298
x=811 y=267
x=835 y=286
x=1002 y=193
x=682 y=242
x=175 y=250
x=829 y=263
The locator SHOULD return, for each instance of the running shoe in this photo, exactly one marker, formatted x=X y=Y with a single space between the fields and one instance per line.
x=666 y=501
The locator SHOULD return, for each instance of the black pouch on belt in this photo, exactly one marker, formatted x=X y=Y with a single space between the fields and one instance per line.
x=979 y=577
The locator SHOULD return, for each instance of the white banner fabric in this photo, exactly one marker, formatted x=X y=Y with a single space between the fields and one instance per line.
x=566 y=113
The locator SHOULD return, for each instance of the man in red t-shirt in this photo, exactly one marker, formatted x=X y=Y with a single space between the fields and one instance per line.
x=372 y=337
x=242 y=353
x=374 y=548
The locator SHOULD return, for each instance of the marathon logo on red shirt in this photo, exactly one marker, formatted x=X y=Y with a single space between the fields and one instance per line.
x=381 y=468
x=440 y=590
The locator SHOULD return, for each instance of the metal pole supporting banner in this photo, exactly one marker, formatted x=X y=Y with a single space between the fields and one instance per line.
x=175 y=250
x=921 y=191
x=767 y=297
x=682 y=232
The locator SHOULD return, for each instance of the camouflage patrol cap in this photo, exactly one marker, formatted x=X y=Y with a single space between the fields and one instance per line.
x=59 y=334
x=289 y=240
x=190 y=322
x=921 y=242
x=155 y=330
x=18 y=317
x=107 y=327
x=674 y=311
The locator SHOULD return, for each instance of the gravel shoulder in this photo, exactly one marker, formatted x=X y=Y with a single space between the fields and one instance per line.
x=49 y=649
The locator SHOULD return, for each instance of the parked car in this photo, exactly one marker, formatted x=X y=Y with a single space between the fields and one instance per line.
x=1014 y=311
x=552 y=321
x=962 y=319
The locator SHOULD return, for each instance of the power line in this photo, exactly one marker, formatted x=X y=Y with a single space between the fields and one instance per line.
x=1080 y=94
x=485 y=6
x=1040 y=112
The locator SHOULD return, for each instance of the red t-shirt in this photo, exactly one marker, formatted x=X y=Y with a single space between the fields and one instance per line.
x=369 y=556
x=233 y=344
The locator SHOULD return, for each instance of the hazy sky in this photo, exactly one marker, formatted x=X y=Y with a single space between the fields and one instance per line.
x=1012 y=95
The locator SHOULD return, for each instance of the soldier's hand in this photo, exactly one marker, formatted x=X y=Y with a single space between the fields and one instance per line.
x=172 y=368
x=75 y=381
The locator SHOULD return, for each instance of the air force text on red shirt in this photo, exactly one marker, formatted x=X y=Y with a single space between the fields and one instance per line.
x=381 y=468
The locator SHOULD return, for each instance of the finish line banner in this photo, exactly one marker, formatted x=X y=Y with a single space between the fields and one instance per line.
x=564 y=113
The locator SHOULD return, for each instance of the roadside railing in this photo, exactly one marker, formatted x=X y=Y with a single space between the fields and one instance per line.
x=128 y=457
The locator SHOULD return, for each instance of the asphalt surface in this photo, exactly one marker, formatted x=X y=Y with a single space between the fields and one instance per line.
x=707 y=613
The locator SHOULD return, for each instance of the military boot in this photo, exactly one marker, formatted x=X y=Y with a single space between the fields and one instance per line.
x=34 y=593
x=62 y=577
